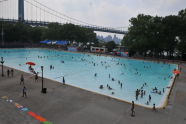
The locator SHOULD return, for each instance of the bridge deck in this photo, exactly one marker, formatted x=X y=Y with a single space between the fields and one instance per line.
x=43 y=23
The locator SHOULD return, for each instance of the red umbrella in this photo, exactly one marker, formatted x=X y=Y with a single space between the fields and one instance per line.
x=30 y=63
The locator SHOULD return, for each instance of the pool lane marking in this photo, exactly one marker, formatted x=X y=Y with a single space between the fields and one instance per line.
x=39 y=118
x=47 y=122
x=24 y=109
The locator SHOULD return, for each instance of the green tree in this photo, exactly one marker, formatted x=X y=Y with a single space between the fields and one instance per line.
x=170 y=32
x=182 y=37
x=138 y=33
x=110 y=45
x=52 y=32
x=35 y=34
x=16 y=32
x=155 y=35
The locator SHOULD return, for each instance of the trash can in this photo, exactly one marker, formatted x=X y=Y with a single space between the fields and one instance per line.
x=44 y=90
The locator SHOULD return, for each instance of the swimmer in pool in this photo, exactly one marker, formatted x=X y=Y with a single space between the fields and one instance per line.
x=101 y=87
x=95 y=75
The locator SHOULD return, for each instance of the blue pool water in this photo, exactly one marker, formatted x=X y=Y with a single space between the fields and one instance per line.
x=79 y=70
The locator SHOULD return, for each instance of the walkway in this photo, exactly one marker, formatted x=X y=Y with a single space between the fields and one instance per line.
x=68 y=105
x=12 y=115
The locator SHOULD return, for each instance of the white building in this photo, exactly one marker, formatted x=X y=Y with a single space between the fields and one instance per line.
x=98 y=49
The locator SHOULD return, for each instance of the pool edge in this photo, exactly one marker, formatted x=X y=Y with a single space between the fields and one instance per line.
x=164 y=104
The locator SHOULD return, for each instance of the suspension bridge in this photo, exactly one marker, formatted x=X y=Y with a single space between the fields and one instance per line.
x=35 y=13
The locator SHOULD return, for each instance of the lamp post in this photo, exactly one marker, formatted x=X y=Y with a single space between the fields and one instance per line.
x=42 y=78
x=2 y=66
x=2 y=36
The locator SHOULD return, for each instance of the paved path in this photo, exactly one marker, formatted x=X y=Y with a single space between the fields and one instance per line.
x=11 y=115
x=68 y=105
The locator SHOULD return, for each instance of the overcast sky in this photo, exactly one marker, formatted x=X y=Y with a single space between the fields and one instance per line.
x=114 y=13
x=109 y=13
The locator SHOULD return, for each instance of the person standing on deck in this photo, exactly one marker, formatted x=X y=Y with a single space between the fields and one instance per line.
x=36 y=77
x=8 y=72
x=12 y=72
x=24 y=91
x=21 y=79
x=63 y=80
x=154 y=107
x=132 y=109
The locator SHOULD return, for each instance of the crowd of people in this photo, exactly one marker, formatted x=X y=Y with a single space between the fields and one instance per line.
x=144 y=91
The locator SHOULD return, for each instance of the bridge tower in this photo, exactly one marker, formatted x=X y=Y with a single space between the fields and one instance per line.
x=21 y=10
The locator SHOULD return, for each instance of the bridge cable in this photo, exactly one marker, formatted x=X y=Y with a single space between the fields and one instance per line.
x=44 y=16
x=40 y=14
x=94 y=26
x=62 y=13
x=79 y=21
x=68 y=18
x=31 y=12
x=1 y=10
x=45 y=10
x=27 y=12
x=3 y=1
x=58 y=16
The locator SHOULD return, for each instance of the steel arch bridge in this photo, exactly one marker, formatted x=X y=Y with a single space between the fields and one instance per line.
x=41 y=14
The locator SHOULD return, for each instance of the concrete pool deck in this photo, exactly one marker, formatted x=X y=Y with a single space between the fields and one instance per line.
x=69 y=105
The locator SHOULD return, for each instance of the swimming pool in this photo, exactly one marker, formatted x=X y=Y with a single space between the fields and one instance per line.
x=119 y=77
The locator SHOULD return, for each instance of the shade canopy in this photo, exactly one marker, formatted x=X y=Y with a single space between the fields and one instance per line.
x=61 y=42
x=58 y=42
x=45 y=41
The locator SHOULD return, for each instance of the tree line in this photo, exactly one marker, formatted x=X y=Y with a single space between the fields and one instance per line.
x=20 y=32
x=156 y=36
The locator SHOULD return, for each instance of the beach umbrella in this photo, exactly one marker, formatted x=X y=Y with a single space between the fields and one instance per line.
x=30 y=63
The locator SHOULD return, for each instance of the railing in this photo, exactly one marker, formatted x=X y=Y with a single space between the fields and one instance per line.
x=44 y=23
